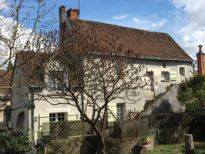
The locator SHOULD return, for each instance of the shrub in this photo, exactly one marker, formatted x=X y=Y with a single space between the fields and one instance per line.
x=14 y=141
x=192 y=94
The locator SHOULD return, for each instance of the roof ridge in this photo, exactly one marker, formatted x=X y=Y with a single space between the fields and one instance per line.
x=119 y=26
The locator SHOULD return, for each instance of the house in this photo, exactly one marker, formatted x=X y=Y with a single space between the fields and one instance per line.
x=165 y=62
x=5 y=97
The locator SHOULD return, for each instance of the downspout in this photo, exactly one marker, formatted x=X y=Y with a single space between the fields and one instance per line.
x=32 y=106
x=194 y=65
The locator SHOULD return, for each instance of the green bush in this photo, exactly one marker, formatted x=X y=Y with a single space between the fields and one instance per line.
x=192 y=94
x=14 y=141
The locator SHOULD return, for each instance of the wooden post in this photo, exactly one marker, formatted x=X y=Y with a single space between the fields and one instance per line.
x=189 y=144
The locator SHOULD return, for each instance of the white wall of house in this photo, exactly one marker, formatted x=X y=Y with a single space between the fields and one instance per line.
x=43 y=108
x=173 y=68
x=160 y=85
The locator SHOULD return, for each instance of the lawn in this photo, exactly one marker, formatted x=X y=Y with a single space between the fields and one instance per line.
x=177 y=148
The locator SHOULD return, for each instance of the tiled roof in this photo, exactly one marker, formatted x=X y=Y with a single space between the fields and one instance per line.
x=32 y=66
x=101 y=38
x=5 y=82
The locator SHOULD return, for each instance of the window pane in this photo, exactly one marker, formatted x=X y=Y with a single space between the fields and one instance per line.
x=57 y=117
x=182 y=71
x=51 y=82
x=120 y=112
x=165 y=76
x=61 y=116
x=164 y=64
x=52 y=117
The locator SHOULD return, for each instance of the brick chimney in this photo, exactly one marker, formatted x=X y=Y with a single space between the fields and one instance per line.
x=73 y=13
x=201 y=61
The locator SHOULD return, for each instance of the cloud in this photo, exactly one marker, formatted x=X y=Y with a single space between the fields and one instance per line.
x=159 y=24
x=192 y=33
x=2 y=4
x=6 y=31
x=120 y=17
x=149 y=23
x=193 y=8
x=137 y=20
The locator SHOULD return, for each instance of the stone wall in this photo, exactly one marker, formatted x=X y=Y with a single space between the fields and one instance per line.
x=88 y=145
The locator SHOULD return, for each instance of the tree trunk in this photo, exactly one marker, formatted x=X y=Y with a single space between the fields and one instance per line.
x=102 y=149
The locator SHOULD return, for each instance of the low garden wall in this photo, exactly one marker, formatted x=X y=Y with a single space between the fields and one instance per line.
x=88 y=145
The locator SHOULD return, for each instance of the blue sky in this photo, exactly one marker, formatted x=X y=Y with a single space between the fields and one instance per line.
x=184 y=20
x=147 y=14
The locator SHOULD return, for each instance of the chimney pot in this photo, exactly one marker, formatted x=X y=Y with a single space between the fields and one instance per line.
x=73 y=13
x=200 y=48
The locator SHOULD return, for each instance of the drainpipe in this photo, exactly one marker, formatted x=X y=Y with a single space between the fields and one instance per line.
x=31 y=107
x=194 y=65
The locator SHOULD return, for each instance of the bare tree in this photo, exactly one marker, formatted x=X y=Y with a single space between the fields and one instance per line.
x=90 y=81
x=87 y=81
x=21 y=27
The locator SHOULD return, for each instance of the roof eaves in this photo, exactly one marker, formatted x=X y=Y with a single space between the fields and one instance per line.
x=168 y=59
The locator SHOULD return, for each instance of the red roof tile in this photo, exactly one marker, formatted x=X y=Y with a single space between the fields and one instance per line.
x=5 y=82
x=101 y=38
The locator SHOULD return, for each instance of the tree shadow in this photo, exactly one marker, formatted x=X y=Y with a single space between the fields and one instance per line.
x=164 y=107
x=90 y=145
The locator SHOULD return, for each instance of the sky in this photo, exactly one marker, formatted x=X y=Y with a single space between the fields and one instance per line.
x=184 y=20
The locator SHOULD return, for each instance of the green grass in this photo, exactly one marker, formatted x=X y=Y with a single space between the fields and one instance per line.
x=177 y=149
x=168 y=149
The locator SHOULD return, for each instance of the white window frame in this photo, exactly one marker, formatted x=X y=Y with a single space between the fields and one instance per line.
x=57 y=116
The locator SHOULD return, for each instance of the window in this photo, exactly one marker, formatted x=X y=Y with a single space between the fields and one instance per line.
x=120 y=111
x=164 y=64
x=52 y=117
x=149 y=74
x=165 y=76
x=182 y=71
x=55 y=80
x=56 y=117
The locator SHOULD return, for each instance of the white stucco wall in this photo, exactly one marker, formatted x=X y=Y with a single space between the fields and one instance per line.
x=160 y=85
x=43 y=108
x=172 y=67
